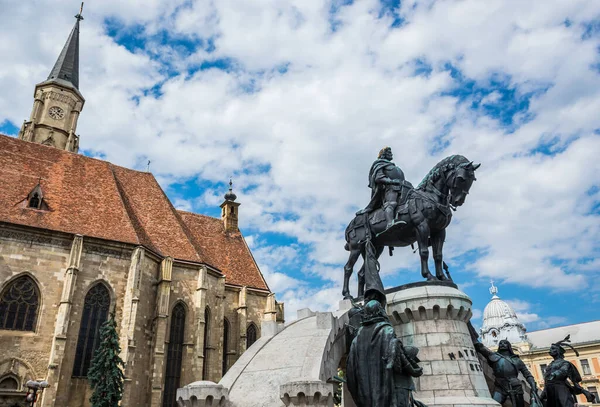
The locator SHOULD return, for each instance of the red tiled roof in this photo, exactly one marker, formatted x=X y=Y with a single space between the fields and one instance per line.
x=227 y=251
x=95 y=198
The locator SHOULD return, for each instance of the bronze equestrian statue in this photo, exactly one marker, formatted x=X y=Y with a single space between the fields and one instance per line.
x=400 y=215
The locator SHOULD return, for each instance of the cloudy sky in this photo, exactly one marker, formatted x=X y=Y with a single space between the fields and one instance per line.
x=294 y=99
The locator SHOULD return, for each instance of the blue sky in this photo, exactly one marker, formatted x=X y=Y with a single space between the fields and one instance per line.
x=294 y=100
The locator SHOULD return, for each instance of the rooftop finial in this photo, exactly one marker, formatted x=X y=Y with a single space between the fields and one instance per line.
x=79 y=16
x=230 y=196
x=493 y=290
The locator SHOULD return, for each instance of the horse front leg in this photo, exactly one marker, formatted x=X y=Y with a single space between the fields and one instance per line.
x=423 y=240
x=348 y=269
x=437 y=244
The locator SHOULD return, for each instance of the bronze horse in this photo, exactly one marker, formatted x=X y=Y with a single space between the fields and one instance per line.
x=421 y=216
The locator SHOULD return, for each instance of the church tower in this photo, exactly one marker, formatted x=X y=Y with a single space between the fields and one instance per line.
x=229 y=210
x=57 y=100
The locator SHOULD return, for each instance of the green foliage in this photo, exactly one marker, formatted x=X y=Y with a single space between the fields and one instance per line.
x=106 y=371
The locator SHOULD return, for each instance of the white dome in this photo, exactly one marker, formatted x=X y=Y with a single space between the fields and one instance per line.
x=500 y=322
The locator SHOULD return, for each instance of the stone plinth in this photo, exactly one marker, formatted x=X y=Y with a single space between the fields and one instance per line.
x=203 y=394
x=434 y=317
x=307 y=393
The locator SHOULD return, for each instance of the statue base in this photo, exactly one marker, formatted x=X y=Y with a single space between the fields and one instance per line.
x=433 y=316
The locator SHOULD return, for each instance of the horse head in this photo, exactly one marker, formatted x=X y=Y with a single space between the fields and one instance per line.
x=460 y=181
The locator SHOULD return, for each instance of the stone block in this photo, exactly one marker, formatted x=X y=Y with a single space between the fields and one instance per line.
x=459 y=381
x=446 y=367
x=305 y=313
x=434 y=382
x=438 y=339
x=203 y=394
x=344 y=305
x=325 y=320
x=307 y=393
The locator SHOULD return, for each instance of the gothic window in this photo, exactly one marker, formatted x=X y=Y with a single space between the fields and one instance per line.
x=19 y=303
x=206 y=344
x=225 y=344
x=9 y=383
x=174 y=356
x=251 y=332
x=95 y=313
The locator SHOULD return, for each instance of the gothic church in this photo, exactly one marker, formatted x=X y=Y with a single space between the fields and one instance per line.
x=81 y=238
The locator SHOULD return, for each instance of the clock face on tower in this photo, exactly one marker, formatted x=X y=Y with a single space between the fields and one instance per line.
x=56 y=113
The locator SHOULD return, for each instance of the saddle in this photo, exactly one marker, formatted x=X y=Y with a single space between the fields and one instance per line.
x=401 y=209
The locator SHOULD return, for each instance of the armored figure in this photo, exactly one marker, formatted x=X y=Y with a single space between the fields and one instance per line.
x=507 y=365
x=558 y=392
x=386 y=181
x=380 y=369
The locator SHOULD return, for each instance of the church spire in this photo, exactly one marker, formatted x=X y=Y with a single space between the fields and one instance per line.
x=57 y=101
x=66 y=67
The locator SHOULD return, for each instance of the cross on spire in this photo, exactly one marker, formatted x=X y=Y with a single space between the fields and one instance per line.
x=79 y=15
x=493 y=290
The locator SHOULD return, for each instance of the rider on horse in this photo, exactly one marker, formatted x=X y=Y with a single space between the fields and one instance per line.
x=386 y=181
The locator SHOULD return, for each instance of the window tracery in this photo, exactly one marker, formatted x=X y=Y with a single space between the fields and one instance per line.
x=19 y=303
x=95 y=313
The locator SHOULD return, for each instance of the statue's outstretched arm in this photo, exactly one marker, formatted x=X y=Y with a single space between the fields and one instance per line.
x=481 y=348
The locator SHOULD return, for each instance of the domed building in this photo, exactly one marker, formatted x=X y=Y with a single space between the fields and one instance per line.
x=500 y=322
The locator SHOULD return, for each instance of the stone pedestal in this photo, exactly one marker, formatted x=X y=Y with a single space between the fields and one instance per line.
x=203 y=394
x=307 y=393
x=434 y=317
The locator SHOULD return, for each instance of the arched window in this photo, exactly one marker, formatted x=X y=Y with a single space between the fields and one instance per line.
x=19 y=303
x=225 y=344
x=9 y=383
x=251 y=332
x=206 y=344
x=95 y=313
x=174 y=355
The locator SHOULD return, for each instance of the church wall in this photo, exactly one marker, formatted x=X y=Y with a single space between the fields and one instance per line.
x=44 y=257
x=183 y=289
x=256 y=303
x=99 y=262
x=139 y=371
x=232 y=315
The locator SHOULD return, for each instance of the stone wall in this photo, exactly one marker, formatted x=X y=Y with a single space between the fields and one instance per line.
x=144 y=288
x=43 y=257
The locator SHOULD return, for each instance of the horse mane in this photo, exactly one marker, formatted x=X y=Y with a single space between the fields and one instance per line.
x=447 y=164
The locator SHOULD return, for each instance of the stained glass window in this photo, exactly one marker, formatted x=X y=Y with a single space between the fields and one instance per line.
x=225 y=344
x=19 y=303
x=251 y=332
x=174 y=356
x=95 y=313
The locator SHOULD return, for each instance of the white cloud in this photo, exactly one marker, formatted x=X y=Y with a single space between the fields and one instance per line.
x=345 y=94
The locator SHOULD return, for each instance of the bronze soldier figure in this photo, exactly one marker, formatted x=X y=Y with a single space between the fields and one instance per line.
x=379 y=368
x=386 y=181
x=507 y=365
x=558 y=392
